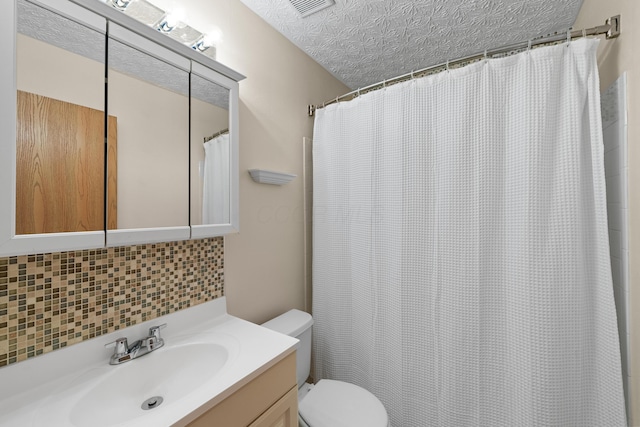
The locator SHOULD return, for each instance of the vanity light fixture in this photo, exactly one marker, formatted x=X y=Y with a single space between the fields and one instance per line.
x=120 y=4
x=140 y=10
x=170 y=21
x=201 y=44
x=212 y=38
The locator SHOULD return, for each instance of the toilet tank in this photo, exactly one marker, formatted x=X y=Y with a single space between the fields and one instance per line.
x=297 y=324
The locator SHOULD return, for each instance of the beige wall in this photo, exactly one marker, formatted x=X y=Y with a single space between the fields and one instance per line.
x=614 y=58
x=264 y=263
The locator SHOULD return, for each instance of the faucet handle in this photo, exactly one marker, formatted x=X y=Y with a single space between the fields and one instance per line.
x=154 y=341
x=154 y=331
x=121 y=345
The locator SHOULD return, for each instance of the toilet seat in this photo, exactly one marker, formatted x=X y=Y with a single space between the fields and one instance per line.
x=338 y=404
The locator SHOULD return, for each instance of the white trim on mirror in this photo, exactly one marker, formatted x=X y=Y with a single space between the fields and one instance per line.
x=8 y=116
x=234 y=132
x=27 y=244
x=212 y=230
x=147 y=235
x=209 y=74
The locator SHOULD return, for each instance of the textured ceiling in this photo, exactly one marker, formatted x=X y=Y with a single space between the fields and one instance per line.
x=362 y=42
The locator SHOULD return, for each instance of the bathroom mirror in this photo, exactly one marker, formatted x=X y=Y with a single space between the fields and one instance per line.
x=148 y=91
x=89 y=162
x=60 y=124
x=52 y=129
x=210 y=157
x=214 y=153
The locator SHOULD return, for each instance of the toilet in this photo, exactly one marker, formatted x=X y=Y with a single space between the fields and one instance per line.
x=328 y=403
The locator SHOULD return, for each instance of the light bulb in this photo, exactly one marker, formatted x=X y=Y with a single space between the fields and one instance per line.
x=213 y=37
x=171 y=20
x=120 y=4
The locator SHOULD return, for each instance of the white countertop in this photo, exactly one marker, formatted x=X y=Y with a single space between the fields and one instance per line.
x=43 y=391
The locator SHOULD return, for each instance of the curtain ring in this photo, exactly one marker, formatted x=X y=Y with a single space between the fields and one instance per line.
x=584 y=33
x=358 y=91
x=569 y=36
x=337 y=100
x=447 y=65
x=412 y=75
x=486 y=54
x=529 y=47
x=384 y=83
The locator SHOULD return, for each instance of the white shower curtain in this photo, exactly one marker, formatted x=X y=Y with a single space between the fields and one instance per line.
x=215 y=198
x=461 y=261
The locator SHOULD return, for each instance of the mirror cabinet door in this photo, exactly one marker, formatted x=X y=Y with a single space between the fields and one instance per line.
x=55 y=151
x=214 y=153
x=148 y=94
x=60 y=124
x=210 y=152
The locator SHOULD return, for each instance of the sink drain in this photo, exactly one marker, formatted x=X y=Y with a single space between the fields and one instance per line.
x=152 y=403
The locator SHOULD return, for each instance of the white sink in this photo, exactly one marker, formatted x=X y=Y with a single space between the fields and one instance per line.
x=169 y=373
x=207 y=356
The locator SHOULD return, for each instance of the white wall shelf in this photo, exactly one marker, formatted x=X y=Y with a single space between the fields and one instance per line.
x=270 y=177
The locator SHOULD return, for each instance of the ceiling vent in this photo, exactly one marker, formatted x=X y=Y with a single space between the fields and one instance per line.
x=309 y=7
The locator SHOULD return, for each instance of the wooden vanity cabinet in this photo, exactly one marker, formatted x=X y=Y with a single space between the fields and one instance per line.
x=269 y=400
x=284 y=413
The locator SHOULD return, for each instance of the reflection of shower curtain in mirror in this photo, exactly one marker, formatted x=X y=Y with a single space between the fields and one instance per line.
x=215 y=198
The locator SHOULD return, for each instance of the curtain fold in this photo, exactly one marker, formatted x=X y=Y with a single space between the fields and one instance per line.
x=461 y=260
x=215 y=198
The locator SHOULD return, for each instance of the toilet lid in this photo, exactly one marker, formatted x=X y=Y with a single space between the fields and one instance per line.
x=338 y=404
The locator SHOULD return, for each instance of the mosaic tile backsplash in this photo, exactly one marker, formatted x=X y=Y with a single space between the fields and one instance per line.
x=53 y=300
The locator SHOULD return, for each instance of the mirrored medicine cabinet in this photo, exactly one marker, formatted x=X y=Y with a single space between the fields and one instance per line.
x=114 y=134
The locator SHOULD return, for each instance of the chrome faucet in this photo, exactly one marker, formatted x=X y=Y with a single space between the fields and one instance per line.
x=124 y=353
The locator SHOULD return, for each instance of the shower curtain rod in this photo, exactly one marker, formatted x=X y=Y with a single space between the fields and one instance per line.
x=209 y=138
x=611 y=29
